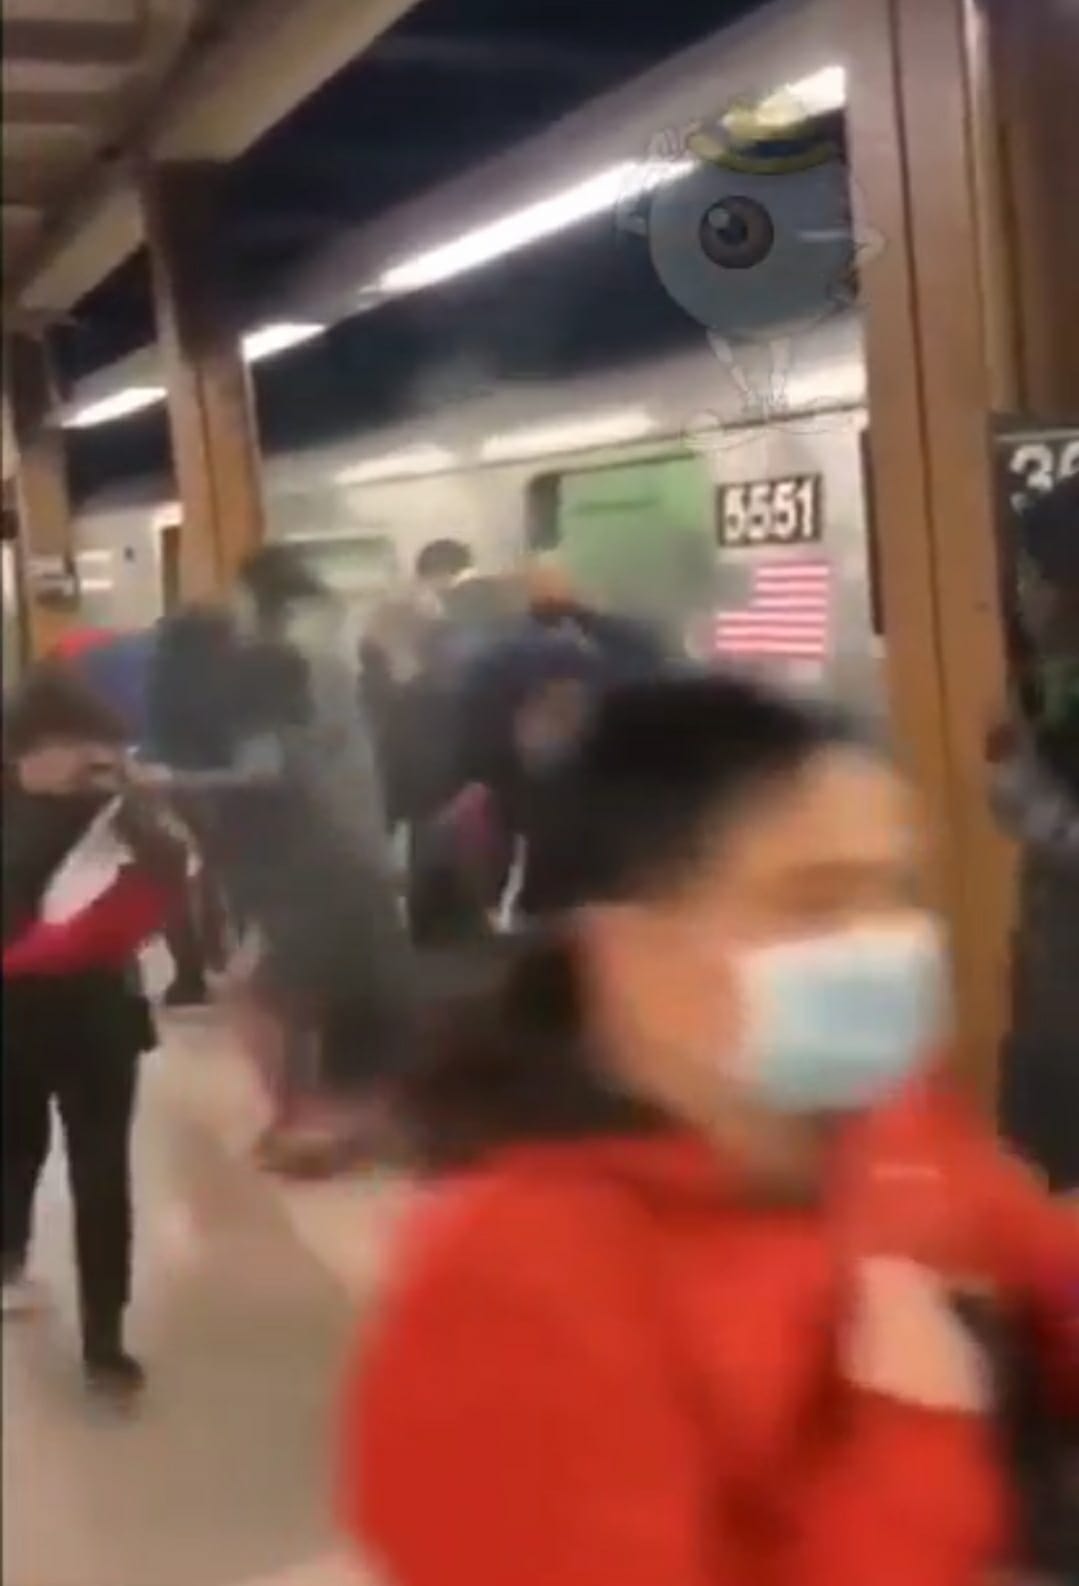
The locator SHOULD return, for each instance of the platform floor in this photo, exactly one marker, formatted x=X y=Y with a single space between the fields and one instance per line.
x=247 y=1297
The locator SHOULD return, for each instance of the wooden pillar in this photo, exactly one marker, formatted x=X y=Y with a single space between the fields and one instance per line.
x=930 y=334
x=211 y=410
x=1034 y=52
x=45 y=540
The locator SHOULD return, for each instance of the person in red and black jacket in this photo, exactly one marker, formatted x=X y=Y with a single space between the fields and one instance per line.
x=75 y=1021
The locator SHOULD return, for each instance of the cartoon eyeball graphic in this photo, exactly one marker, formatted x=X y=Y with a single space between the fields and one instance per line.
x=754 y=241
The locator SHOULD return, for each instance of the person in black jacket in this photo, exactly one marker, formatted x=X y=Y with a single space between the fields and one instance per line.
x=522 y=699
x=1035 y=794
x=75 y=1020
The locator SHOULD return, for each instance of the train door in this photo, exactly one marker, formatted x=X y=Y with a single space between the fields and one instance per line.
x=638 y=537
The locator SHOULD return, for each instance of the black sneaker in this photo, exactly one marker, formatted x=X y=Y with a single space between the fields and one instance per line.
x=114 y=1373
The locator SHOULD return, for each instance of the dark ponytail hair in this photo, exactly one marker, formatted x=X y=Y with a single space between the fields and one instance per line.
x=663 y=764
x=507 y=1062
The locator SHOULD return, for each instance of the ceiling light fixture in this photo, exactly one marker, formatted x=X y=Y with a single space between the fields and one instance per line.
x=169 y=515
x=819 y=94
x=600 y=429
x=265 y=341
x=816 y=94
x=405 y=464
x=131 y=399
x=521 y=227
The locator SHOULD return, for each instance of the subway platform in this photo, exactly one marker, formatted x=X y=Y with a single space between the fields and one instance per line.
x=247 y=1297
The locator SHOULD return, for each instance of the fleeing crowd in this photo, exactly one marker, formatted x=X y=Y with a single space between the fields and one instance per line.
x=719 y=1279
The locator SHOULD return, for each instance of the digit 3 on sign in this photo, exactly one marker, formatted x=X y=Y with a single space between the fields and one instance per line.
x=1040 y=465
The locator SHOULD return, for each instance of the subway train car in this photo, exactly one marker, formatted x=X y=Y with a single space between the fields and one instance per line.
x=745 y=533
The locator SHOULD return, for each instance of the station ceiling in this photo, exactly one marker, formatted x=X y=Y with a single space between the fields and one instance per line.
x=77 y=79
x=93 y=89
x=442 y=88
x=449 y=85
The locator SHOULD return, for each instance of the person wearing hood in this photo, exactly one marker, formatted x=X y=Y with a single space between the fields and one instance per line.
x=701 y=1285
x=523 y=699
x=1034 y=789
x=91 y=867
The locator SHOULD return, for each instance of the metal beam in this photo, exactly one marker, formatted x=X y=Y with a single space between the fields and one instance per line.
x=33 y=108
x=274 y=54
x=19 y=214
x=56 y=41
x=99 y=234
x=29 y=184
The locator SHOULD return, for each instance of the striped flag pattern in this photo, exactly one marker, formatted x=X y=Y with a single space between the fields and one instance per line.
x=786 y=618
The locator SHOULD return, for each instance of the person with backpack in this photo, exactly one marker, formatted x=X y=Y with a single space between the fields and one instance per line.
x=703 y=1284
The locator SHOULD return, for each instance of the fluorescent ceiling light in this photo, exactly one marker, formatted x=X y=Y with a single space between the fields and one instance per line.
x=169 y=515
x=89 y=558
x=132 y=399
x=601 y=429
x=522 y=227
x=263 y=342
x=412 y=461
x=816 y=95
x=95 y=586
x=278 y=336
x=820 y=92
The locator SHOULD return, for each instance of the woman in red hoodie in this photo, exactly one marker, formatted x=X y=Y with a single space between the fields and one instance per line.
x=697 y=1296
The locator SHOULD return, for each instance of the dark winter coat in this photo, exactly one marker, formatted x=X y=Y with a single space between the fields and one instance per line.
x=1041 y=1080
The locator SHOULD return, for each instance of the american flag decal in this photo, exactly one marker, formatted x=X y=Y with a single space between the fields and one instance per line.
x=786 y=618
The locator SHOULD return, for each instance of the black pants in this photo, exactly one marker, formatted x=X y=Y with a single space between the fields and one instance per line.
x=93 y=1086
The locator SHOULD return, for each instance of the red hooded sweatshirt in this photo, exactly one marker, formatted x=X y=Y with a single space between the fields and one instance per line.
x=597 y=1365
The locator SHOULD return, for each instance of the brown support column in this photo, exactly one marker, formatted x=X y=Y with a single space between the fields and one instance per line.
x=930 y=340
x=1034 y=50
x=211 y=410
x=45 y=542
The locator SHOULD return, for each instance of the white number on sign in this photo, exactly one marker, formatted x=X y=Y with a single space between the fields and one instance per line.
x=785 y=509
x=1038 y=465
x=760 y=514
x=734 y=515
x=808 y=496
x=770 y=512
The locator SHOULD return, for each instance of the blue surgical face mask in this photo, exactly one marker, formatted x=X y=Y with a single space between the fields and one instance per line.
x=837 y=1022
